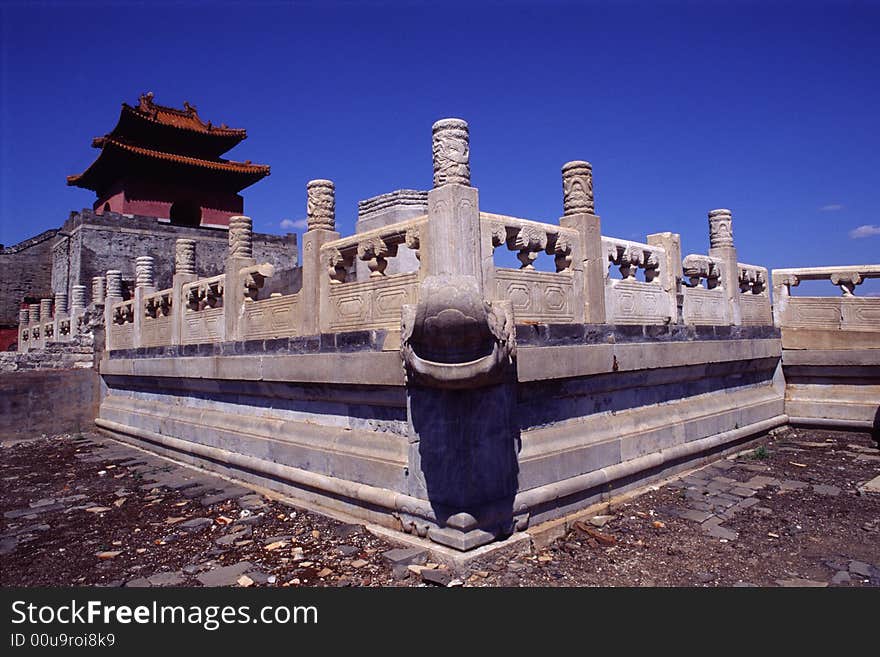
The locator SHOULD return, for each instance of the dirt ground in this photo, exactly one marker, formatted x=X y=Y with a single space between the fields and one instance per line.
x=87 y=511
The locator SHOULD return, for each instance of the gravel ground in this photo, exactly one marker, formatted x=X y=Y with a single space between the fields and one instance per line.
x=87 y=511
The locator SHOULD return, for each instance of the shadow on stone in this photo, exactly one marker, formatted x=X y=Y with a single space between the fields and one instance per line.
x=875 y=432
x=467 y=461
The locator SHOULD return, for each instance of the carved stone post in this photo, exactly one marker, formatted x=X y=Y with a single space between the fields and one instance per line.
x=321 y=205
x=721 y=248
x=670 y=276
x=77 y=308
x=144 y=285
x=577 y=188
x=24 y=333
x=453 y=244
x=78 y=300
x=114 y=284
x=241 y=254
x=184 y=272
x=61 y=317
x=321 y=221
x=45 y=321
x=114 y=295
x=61 y=303
x=782 y=284
x=185 y=256
x=98 y=305
x=458 y=350
x=35 y=333
x=99 y=289
x=578 y=212
x=143 y=268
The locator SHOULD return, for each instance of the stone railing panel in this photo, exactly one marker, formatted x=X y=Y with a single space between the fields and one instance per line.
x=202 y=326
x=537 y=296
x=629 y=300
x=203 y=318
x=371 y=304
x=204 y=293
x=846 y=312
x=373 y=247
x=274 y=317
x=122 y=325
x=754 y=297
x=158 y=319
x=374 y=303
x=704 y=302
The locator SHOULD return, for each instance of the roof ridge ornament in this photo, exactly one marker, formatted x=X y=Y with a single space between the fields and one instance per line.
x=146 y=104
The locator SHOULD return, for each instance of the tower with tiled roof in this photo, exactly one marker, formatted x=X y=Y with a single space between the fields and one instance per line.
x=165 y=162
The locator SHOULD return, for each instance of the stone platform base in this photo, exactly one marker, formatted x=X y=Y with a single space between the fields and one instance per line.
x=833 y=387
x=584 y=421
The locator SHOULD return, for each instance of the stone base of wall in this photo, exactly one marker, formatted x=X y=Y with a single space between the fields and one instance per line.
x=833 y=387
x=79 y=353
x=50 y=402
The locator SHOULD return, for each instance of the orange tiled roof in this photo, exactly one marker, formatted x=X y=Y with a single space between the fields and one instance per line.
x=185 y=119
x=218 y=165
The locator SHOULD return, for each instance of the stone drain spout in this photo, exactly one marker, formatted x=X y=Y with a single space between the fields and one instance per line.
x=455 y=339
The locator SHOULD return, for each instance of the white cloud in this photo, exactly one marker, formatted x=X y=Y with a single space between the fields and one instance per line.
x=289 y=224
x=831 y=207
x=868 y=230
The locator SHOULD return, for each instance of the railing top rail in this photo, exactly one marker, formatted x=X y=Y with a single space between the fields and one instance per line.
x=390 y=232
x=822 y=273
x=518 y=221
x=205 y=281
x=607 y=240
x=158 y=293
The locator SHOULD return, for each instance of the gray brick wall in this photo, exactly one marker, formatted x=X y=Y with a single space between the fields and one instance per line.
x=25 y=270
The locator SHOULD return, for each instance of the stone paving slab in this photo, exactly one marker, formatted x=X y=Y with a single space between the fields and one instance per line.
x=717 y=531
x=691 y=514
x=176 y=578
x=223 y=495
x=200 y=491
x=225 y=575
x=741 y=491
x=872 y=486
x=760 y=481
x=800 y=583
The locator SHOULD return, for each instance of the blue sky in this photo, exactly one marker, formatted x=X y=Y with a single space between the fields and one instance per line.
x=770 y=109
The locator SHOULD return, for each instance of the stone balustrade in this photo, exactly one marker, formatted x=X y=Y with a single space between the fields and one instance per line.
x=831 y=347
x=120 y=328
x=51 y=320
x=848 y=312
x=374 y=303
x=536 y=296
x=754 y=297
x=629 y=300
x=346 y=284
x=704 y=302
x=157 y=320
x=202 y=318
